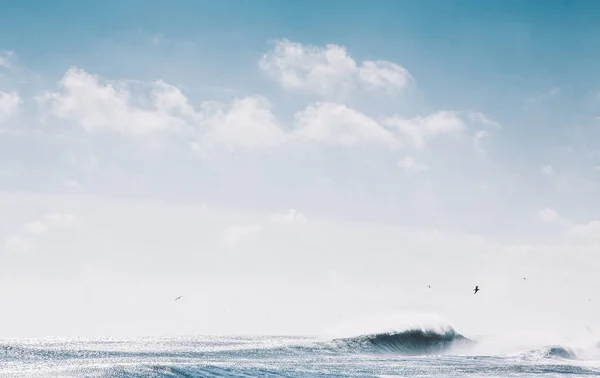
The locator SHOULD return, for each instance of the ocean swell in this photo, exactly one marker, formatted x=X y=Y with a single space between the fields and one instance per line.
x=412 y=342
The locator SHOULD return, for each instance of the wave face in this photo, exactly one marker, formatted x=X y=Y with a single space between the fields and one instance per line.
x=560 y=352
x=413 y=342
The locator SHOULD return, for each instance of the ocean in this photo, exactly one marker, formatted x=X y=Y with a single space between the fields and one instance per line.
x=408 y=353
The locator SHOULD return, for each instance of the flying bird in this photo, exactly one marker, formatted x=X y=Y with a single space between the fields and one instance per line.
x=178 y=298
x=476 y=290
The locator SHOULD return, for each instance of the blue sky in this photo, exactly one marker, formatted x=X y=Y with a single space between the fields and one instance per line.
x=313 y=148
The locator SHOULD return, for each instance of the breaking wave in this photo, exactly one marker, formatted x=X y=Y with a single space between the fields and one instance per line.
x=412 y=342
x=555 y=352
x=559 y=352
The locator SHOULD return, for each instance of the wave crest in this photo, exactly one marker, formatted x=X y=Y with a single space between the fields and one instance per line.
x=410 y=342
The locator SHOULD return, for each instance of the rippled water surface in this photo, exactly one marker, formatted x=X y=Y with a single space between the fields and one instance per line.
x=412 y=353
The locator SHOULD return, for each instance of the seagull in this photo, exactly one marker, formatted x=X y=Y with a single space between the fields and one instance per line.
x=179 y=297
x=476 y=290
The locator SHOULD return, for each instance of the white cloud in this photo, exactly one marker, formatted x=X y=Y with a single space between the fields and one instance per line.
x=328 y=70
x=18 y=244
x=548 y=215
x=477 y=140
x=72 y=185
x=9 y=104
x=234 y=234
x=99 y=106
x=168 y=99
x=489 y=125
x=547 y=170
x=291 y=216
x=338 y=125
x=36 y=227
x=386 y=76
x=409 y=164
x=247 y=123
x=25 y=240
x=482 y=119
x=585 y=230
x=296 y=66
x=64 y=221
x=421 y=129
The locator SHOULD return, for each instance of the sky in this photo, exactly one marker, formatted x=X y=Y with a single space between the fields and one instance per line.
x=289 y=166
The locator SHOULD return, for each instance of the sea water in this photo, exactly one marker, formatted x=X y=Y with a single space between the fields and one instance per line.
x=410 y=352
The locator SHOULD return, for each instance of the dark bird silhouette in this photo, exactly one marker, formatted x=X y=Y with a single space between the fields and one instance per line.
x=178 y=298
x=476 y=290
x=429 y=286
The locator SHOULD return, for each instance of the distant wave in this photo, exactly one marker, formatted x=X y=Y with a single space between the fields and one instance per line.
x=560 y=352
x=551 y=352
x=412 y=342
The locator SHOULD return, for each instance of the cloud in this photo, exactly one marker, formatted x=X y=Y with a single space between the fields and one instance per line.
x=168 y=99
x=478 y=138
x=291 y=216
x=9 y=104
x=338 y=125
x=548 y=215
x=63 y=221
x=232 y=235
x=18 y=244
x=72 y=185
x=583 y=231
x=136 y=109
x=489 y=125
x=246 y=123
x=36 y=227
x=420 y=130
x=25 y=240
x=104 y=106
x=249 y=123
x=482 y=119
x=547 y=170
x=329 y=70
x=5 y=57
x=386 y=76
x=409 y=164
x=296 y=66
